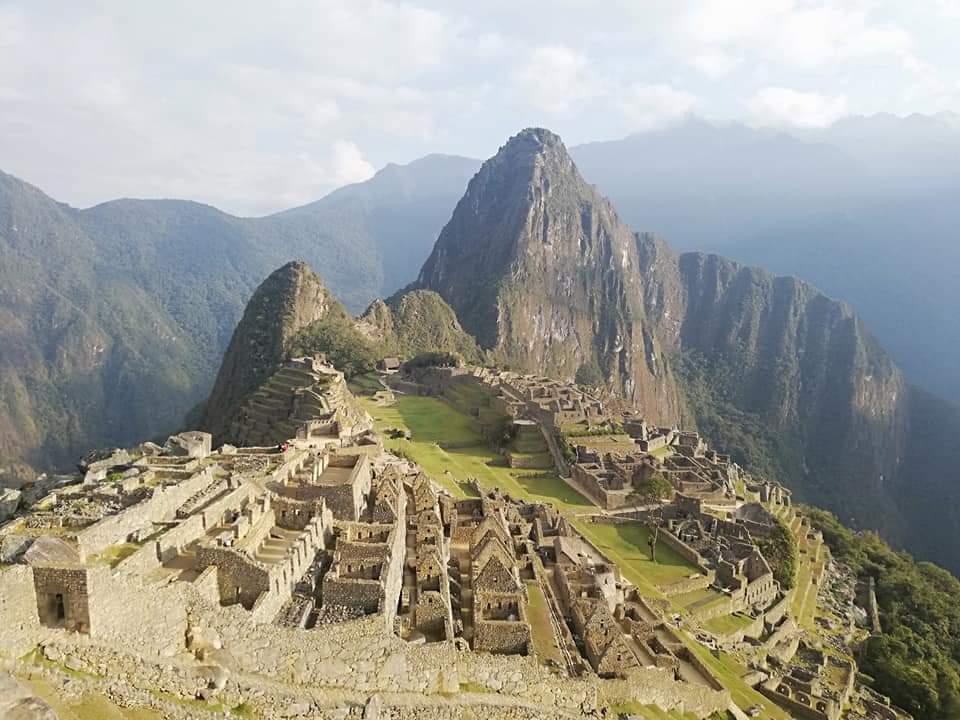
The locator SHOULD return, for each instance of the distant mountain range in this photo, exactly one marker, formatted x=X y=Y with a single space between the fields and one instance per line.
x=114 y=319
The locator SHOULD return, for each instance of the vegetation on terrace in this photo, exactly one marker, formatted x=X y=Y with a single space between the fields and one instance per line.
x=450 y=447
x=626 y=545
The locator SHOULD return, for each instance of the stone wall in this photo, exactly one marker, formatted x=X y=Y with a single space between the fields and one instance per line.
x=124 y=610
x=233 y=501
x=352 y=592
x=20 y=628
x=63 y=598
x=164 y=548
x=689 y=584
x=162 y=505
x=240 y=579
x=828 y=710
x=656 y=686
x=501 y=637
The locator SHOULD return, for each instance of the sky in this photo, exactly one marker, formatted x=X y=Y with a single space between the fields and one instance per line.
x=256 y=107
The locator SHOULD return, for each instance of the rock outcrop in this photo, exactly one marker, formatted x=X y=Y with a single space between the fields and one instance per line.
x=416 y=322
x=540 y=269
x=542 y=272
x=290 y=299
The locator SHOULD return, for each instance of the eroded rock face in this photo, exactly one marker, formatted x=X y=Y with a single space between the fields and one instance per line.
x=290 y=299
x=540 y=269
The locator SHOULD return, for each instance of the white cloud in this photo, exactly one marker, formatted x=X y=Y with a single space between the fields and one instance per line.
x=780 y=106
x=652 y=106
x=252 y=110
x=349 y=164
x=804 y=35
x=555 y=79
x=715 y=64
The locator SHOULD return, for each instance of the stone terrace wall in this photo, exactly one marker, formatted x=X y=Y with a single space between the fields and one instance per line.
x=123 y=610
x=20 y=628
x=160 y=506
x=656 y=686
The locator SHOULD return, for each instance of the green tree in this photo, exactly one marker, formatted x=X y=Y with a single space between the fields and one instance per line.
x=589 y=374
x=344 y=346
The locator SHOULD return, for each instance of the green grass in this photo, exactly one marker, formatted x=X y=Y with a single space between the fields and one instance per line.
x=114 y=555
x=368 y=384
x=727 y=624
x=447 y=444
x=730 y=673
x=538 y=614
x=87 y=707
x=699 y=599
x=627 y=546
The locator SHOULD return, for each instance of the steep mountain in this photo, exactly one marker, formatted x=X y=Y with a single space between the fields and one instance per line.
x=84 y=358
x=416 y=322
x=289 y=300
x=875 y=193
x=113 y=320
x=542 y=272
x=785 y=378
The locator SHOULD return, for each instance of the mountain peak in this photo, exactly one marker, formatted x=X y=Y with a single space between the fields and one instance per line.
x=291 y=298
x=541 y=271
x=534 y=140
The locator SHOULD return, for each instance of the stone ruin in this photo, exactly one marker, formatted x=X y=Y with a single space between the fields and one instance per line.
x=323 y=533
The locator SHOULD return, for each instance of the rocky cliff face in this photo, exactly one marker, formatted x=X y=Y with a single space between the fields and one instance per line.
x=783 y=376
x=290 y=299
x=540 y=269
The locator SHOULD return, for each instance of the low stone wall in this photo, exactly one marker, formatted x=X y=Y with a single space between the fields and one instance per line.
x=689 y=584
x=159 y=507
x=656 y=686
x=682 y=549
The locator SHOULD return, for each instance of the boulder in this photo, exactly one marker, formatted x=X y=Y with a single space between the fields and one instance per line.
x=215 y=676
x=48 y=549
x=102 y=460
x=12 y=547
x=9 y=501
x=150 y=448
x=189 y=444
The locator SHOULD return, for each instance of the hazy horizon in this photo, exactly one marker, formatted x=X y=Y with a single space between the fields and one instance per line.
x=254 y=112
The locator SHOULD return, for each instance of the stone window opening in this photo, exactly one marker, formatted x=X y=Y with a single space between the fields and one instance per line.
x=60 y=611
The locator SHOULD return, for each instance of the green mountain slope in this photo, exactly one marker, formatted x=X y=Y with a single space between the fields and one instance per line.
x=113 y=320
